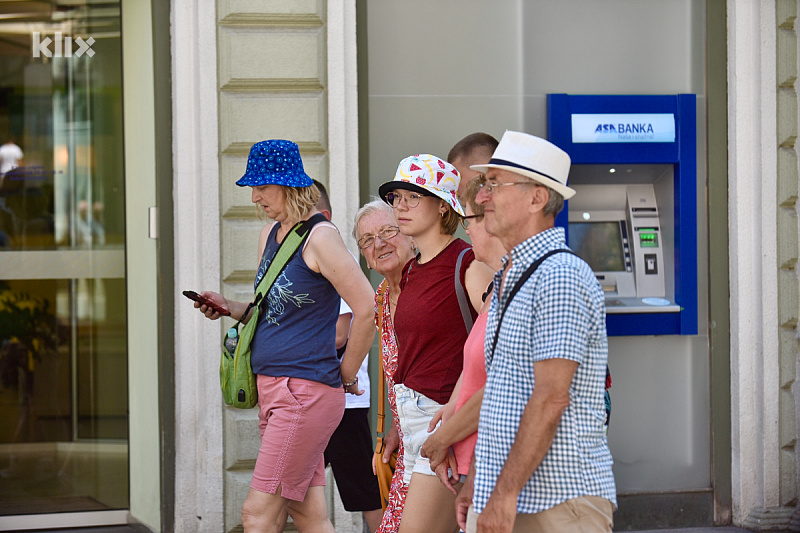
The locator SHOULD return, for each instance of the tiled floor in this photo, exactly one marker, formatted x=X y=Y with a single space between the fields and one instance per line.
x=55 y=477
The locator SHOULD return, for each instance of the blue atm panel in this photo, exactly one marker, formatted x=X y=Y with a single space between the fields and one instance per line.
x=634 y=217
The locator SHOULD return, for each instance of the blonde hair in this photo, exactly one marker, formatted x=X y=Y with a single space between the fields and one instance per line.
x=450 y=220
x=470 y=194
x=300 y=200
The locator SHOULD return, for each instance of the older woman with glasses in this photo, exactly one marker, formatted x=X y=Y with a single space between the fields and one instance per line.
x=430 y=323
x=386 y=251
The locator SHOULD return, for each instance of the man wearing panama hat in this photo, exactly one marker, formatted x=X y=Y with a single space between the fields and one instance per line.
x=542 y=461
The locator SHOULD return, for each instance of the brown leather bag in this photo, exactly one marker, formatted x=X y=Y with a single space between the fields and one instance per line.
x=384 y=471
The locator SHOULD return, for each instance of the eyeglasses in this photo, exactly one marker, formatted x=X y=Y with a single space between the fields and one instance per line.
x=490 y=186
x=412 y=200
x=465 y=221
x=385 y=233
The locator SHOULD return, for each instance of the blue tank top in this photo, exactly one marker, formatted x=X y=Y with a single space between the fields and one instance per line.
x=296 y=333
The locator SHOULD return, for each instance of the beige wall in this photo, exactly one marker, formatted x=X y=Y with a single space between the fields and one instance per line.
x=139 y=110
x=273 y=79
x=762 y=162
x=788 y=242
x=244 y=71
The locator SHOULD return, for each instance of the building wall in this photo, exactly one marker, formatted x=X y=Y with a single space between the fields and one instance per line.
x=489 y=70
x=199 y=490
x=271 y=76
x=763 y=177
x=788 y=242
x=244 y=71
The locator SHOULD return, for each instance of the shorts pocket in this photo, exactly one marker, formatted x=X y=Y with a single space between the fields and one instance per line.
x=427 y=406
x=296 y=391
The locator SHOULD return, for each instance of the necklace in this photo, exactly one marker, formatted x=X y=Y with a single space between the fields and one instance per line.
x=451 y=239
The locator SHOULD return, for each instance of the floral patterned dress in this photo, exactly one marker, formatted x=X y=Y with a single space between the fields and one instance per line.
x=398 y=489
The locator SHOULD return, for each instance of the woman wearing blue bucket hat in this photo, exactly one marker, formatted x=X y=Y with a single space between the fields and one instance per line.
x=301 y=382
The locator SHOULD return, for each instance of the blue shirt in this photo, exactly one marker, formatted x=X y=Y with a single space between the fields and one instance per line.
x=296 y=335
x=558 y=313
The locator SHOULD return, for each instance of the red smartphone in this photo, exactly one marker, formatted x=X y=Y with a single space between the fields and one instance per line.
x=205 y=301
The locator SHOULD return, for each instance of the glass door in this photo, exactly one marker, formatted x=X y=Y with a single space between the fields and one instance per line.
x=63 y=323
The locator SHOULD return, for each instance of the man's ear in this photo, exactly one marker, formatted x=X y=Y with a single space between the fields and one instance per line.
x=325 y=213
x=539 y=198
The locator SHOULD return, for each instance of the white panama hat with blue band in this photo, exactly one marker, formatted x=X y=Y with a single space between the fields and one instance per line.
x=534 y=158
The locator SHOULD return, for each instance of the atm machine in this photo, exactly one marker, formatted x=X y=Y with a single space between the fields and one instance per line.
x=617 y=229
x=634 y=220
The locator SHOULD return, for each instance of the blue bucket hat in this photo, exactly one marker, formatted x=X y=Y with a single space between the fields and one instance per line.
x=275 y=162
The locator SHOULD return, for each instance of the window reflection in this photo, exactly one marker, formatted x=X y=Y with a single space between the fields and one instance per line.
x=61 y=184
x=63 y=324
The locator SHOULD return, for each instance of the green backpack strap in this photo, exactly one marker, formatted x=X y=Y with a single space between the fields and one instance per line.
x=291 y=244
x=239 y=386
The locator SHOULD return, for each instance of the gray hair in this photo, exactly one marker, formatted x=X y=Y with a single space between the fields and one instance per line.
x=374 y=205
x=555 y=202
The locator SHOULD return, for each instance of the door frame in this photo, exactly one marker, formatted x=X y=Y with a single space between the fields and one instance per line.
x=139 y=111
x=141 y=264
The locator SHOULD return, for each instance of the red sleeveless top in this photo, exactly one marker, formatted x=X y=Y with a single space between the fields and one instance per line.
x=428 y=324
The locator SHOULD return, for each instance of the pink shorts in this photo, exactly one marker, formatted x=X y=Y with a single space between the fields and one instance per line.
x=297 y=418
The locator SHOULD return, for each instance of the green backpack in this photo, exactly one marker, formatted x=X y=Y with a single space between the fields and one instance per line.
x=236 y=377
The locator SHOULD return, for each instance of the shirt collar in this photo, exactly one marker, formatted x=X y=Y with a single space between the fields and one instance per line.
x=534 y=247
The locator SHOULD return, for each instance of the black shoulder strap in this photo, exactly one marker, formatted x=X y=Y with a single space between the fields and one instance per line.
x=488 y=291
x=463 y=304
x=525 y=275
x=303 y=227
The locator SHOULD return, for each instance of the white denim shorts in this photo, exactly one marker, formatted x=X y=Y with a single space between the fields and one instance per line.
x=415 y=411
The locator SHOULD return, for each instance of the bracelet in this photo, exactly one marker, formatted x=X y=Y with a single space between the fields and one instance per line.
x=346 y=385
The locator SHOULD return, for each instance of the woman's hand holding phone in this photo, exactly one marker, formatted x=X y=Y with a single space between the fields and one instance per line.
x=211 y=304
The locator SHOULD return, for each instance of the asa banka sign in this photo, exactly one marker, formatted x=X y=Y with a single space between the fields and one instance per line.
x=623 y=128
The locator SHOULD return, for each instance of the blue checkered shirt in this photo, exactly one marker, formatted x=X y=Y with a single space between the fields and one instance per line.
x=558 y=312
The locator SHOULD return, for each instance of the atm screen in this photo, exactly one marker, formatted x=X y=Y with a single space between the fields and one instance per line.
x=599 y=244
